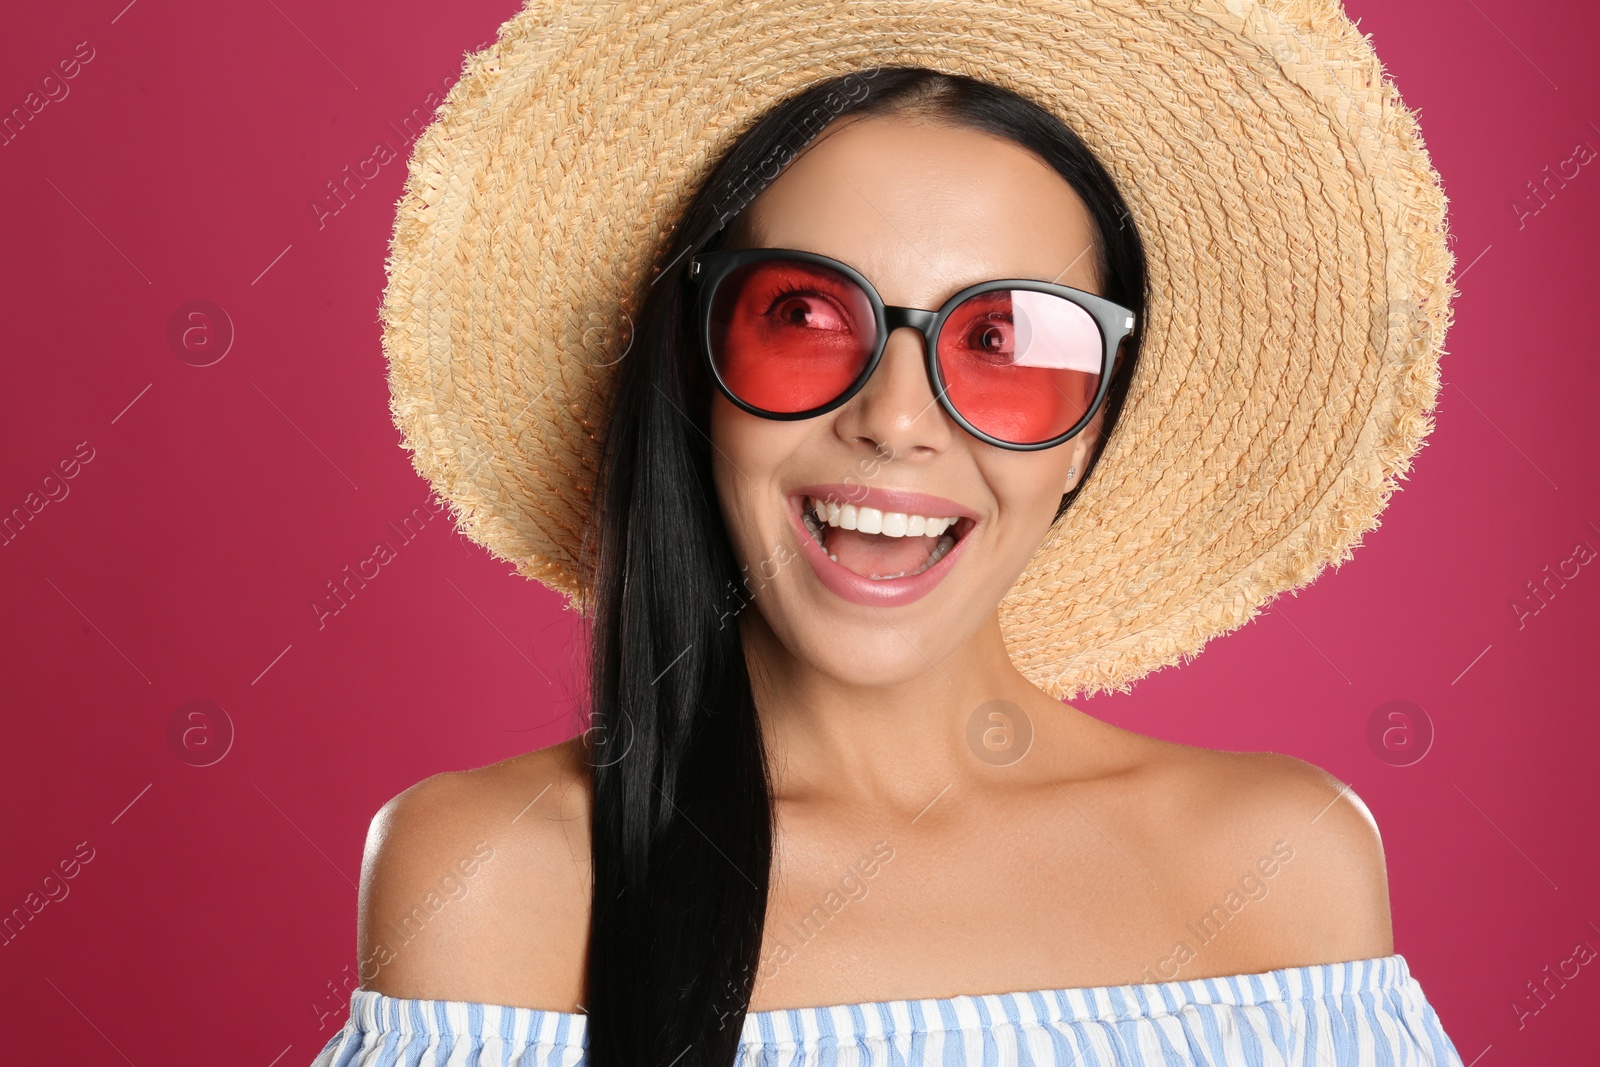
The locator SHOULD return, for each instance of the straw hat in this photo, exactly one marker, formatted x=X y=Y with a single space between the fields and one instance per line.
x=1295 y=230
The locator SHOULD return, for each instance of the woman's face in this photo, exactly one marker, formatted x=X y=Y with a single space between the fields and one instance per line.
x=922 y=210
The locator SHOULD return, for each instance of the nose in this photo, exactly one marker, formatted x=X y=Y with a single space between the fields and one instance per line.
x=896 y=409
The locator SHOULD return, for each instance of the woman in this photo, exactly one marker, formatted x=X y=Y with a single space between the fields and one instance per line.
x=821 y=813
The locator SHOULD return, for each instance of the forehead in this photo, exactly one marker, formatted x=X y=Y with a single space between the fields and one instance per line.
x=924 y=209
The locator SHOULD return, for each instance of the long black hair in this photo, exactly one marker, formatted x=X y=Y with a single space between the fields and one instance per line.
x=682 y=815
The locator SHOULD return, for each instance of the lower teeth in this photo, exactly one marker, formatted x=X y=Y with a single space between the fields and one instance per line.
x=946 y=542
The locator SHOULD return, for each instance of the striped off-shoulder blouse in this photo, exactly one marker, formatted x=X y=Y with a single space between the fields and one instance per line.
x=1360 y=1012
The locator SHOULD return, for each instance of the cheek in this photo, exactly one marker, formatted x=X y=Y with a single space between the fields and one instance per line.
x=735 y=444
x=1028 y=486
x=739 y=448
x=748 y=454
x=754 y=445
x=727 y=464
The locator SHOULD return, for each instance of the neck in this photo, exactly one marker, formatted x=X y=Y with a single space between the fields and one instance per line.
x=968 y=721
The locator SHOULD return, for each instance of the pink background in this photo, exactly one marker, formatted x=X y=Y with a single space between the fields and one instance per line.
x=217 y=912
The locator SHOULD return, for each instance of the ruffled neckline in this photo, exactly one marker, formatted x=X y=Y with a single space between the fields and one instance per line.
x=377 y=1012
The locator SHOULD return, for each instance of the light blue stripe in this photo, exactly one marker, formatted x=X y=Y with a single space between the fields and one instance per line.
x=1249 y=1041
x=858 y=1020
x=1215 y=1047
x=475 y=1027
x=1372 y=1022
x=798 y=1057
x=1311 y=1035
x=896 y=1058
x=559 y=1042
x=389 y=1048
x=413 y=1051
x=447 y=1037
x=336 y=1056
x=952 y=1048
x=508 y=1029
x=918 y=1053
x=1115 y=996
x=1012 y=1008
x=1195 y=1042
x=769 y=1037
x=827 y=1040
x=1342 y=1032
x=1169 y=998
x=1127 y=1050
x=1060 y=1047
x=990 y=1046
x=1169 y=1051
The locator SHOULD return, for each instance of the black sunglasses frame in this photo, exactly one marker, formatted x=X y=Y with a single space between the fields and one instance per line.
x=708 y=269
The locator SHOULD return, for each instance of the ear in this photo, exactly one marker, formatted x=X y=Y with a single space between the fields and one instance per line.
x=1084 y=445
x=1081 y=449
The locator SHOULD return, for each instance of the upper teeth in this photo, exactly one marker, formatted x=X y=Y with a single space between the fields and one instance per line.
x=873 y=521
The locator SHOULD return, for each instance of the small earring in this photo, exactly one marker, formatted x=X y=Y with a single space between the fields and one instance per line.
x=1072 y=472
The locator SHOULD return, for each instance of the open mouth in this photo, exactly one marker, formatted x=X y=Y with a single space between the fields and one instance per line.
x=880 y=545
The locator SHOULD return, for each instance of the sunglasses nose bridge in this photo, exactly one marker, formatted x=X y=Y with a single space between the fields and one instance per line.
x=916 y=318
x=922 y=321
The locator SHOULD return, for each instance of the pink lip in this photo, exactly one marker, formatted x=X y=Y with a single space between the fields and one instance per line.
x=934 y=507
x=888 y=592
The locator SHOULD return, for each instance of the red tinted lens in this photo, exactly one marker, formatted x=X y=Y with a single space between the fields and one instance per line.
x=789 y=336
x=1022 y=366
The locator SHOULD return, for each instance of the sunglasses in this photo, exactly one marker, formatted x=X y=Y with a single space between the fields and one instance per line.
x=1018 y=363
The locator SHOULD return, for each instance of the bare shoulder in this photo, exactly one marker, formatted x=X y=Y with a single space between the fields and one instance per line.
x=475 y=885
x=1279 y=850
x=1326 y=898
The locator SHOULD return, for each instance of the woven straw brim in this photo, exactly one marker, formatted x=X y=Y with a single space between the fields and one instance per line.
x=1295 y=229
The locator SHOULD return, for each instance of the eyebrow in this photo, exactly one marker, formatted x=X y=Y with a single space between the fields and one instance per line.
x=1095 y=281
x=1024 y=277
